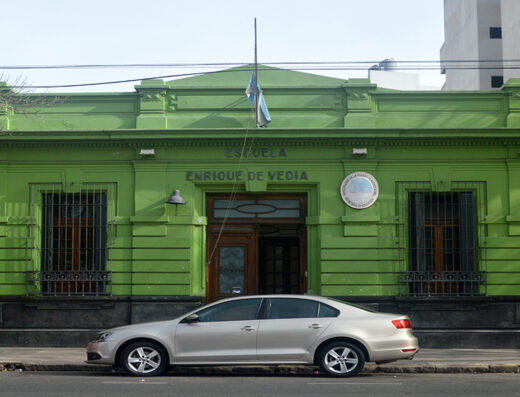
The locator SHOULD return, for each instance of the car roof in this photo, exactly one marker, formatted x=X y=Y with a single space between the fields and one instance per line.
x=345 y=308
x=335 y=303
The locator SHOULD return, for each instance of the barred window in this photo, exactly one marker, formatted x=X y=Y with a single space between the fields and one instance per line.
x=442 y=240
x=73 y=240
x=442 y=243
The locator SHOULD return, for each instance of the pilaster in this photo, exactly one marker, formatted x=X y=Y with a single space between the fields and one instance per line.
x=360 y=222
x=4 y=119
x=359 y=103
x=152 y=103
x=4 y=218
x=150 y=195
x=512 y=87
x=513 y=217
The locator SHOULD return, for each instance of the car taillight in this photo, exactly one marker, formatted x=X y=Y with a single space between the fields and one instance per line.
x=402 y=323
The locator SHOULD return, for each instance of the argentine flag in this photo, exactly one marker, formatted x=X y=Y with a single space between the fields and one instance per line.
x=263 y=116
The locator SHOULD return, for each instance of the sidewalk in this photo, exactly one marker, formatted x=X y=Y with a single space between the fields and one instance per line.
x=426 y=361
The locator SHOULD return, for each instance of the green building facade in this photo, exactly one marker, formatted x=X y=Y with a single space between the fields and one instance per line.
x=405 y=201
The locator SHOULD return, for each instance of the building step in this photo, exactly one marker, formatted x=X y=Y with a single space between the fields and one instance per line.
x=41 y=337
x=468 y=338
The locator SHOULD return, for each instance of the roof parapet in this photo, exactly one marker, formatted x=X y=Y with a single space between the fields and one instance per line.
x=359 y=103
x=512 y=87
x=152 y=104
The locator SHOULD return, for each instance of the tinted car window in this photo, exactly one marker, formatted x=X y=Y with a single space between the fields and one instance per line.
x=243 y=309
x=327 y=311
x=367 y=309
x=291 y=308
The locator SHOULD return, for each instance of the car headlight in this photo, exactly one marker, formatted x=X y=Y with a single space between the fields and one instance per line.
x=102 y=337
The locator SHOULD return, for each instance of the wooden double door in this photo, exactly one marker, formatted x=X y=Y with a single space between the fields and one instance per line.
x=241 y=261
x=255 y=256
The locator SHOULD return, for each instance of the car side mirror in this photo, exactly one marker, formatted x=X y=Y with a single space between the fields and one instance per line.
x=192 y=318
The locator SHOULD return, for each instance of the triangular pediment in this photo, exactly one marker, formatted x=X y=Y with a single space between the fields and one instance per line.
x=268 y=77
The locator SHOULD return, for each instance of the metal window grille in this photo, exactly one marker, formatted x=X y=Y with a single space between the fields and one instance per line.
x=68 y=239
x=441 y=237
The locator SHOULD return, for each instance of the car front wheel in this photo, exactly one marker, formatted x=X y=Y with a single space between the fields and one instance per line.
x=341 y=359
x=144 y=359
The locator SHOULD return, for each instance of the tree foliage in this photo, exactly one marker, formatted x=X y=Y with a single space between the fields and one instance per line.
x=17 y=98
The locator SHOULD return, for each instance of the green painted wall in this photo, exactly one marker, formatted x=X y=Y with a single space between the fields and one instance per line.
x=196 y=125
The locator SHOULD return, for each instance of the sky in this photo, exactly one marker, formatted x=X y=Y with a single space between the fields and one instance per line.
x=65 y=32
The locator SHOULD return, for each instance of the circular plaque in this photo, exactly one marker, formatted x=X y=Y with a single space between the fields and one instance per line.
x=359 y=190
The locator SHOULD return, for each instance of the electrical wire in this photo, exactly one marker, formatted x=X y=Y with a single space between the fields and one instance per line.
x=308 y=66
x=227 y=64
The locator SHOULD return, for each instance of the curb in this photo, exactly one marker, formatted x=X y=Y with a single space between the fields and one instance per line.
x=444 y=369
x=274 y=370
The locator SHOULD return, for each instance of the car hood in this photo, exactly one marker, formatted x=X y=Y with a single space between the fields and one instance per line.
x=148 y=326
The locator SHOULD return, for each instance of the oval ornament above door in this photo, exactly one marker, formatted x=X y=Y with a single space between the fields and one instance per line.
x=256 y=208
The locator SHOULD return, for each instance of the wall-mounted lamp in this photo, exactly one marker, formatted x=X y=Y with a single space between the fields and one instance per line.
x=176 y=198
x=359 y=150
x=147 y=152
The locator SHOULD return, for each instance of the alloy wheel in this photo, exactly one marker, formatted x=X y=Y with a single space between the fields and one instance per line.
x=341 y=359
x=144 y=359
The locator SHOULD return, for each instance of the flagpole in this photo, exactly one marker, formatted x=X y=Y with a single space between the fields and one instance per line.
x=256 y=81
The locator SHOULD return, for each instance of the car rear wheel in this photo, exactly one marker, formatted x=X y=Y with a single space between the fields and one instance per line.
x=144 y=359
x=341 y=359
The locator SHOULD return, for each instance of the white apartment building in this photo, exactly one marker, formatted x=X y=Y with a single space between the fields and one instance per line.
x=484 y=31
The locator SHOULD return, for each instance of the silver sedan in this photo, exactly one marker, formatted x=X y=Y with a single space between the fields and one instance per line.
x=253 y=330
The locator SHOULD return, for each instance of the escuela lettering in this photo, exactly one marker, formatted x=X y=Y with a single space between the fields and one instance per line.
x=257 y=153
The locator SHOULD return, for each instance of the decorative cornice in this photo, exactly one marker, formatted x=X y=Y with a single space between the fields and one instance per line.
x=172 y=103
x=295 y=142
x=152 y=96
x=358 y=96
x=265 y=137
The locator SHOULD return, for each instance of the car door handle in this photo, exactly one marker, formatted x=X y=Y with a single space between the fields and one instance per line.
x=315 y=326
x=247 y=328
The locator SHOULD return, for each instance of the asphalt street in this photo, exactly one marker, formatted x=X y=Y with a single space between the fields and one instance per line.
x=85 y=384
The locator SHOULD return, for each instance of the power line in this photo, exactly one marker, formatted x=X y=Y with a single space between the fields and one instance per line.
x=113 y=81
x=309 y=67
x=230 y=64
